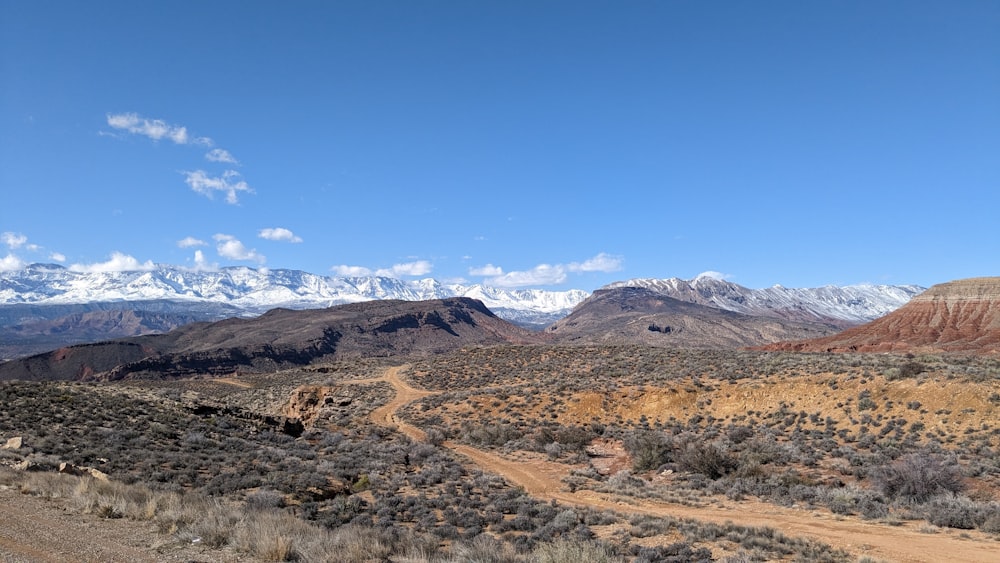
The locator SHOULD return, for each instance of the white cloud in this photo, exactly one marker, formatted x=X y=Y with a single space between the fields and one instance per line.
x=230 y=247
x=221 y=155
x=201 y=182
x=201 y=264
x=278 y=233
x=11 y=263
x=487 y=270
x=119 y=262
x=155 y=129
x=601 y=263
x=543 y=274
x=546 y=274
x=13 y=240
x=351 y=271
x=57 y=257
x=188 y=242
x=417 y=268
x=714 y=275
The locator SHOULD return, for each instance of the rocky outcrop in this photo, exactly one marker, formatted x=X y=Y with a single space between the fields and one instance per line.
x=81 y=471
x=257 y=421
x=959 y=316
x=308 y=402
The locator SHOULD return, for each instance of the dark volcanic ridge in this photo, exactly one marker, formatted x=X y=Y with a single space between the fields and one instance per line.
x=27 y=329
x=958 y=316
x=640 y=315
x=279 y=338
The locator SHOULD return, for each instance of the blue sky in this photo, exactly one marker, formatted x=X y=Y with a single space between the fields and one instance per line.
x=555 y=144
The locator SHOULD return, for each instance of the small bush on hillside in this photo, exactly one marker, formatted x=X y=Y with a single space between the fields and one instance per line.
x=567 y=551
x=951 y=511
x=679 y=552
x=711 y=460
x=649 y=449
x=917 y=477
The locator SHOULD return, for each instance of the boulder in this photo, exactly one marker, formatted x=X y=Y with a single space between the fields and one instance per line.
x=97 y=474
x=70 y=469
x=14 y=443
x=81 y=471
x=26 y=465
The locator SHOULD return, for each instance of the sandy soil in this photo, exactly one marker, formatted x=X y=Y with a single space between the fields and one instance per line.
x=541 y=479
x=39 y=530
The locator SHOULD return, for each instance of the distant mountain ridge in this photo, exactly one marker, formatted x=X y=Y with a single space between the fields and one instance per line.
x=958 y=316
x=707 y=312
x=637 y=315
x=279 y=338
x=840 y=306
x=46 y=306
x=255 y=291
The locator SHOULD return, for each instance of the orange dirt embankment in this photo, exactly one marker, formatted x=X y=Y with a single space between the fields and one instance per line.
x=543 y=480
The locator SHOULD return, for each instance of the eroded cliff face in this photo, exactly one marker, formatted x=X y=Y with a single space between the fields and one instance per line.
x=958 y=316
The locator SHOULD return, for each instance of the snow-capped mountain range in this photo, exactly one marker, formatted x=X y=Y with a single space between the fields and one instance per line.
x=44 y=306
x=254 y=291
x=843 y=305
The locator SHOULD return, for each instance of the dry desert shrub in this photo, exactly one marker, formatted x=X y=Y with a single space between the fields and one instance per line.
x=917 y=477
x=272 y=536
x=567 y=551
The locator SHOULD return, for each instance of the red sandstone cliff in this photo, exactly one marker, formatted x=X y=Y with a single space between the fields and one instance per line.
x=959 y=316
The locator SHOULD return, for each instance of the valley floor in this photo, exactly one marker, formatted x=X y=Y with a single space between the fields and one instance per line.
x=902 y=542
x=639 y=454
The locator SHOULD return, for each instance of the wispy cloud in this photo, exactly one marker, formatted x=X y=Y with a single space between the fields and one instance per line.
x=155 y=129
x=487 y=270
x=11 y=263
x=350 y=271
x=221 y=155
x=228 y=183
x=279 y=234
x=417 y=268
x=57 y=257
x=119 y=262
x=230 y=247
x=542 y=274
x=188 y=242
x=547 y=274
x=714 y=275
x=13 y=240
x=601 y=263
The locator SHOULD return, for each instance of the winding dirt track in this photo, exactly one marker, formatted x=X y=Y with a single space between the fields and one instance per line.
x=543 y=480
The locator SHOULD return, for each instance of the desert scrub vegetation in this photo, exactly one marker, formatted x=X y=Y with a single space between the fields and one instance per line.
x=270 y=533
x=818 y=431
x=197 y=472
x=823 y=430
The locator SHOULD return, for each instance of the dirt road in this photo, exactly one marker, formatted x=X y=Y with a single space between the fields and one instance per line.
x=405 y=394
x=904 y=543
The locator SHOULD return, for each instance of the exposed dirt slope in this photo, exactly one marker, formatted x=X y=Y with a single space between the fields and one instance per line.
x=543 y=480
x=959 y=316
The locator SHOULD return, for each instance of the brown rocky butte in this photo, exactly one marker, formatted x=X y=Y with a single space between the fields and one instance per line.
x=958 y=316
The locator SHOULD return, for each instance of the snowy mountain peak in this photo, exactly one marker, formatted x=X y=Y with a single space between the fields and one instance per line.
x=256 y=291
x=852 y=304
